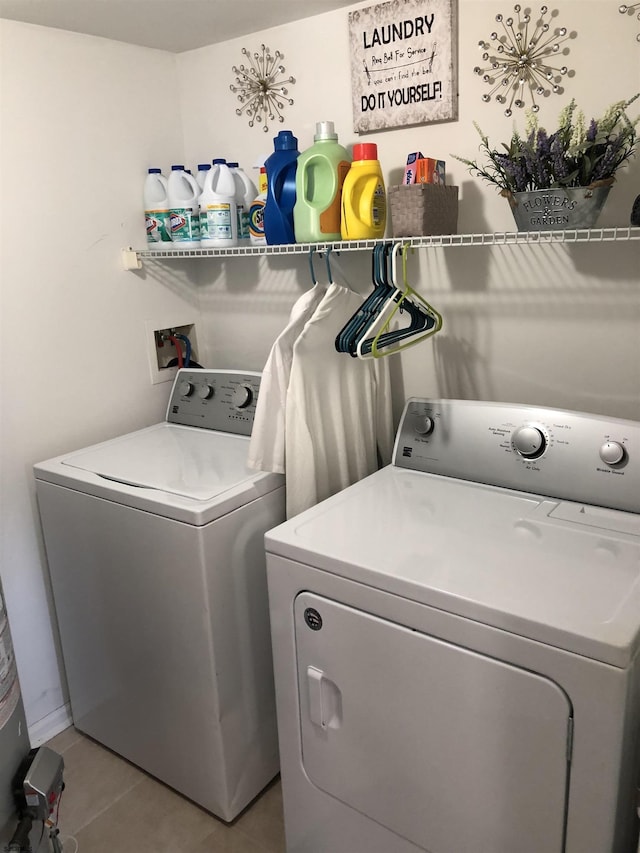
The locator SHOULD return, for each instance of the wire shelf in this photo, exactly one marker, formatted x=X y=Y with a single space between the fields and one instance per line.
x=133 y=257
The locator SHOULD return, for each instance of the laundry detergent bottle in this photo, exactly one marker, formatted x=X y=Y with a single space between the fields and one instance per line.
x=256 y=212
x=281 y=189
x=156 y=210
x=218 y=212
x=364 y=201
x=201 y=174
x=320 y=175
x=183 y=192
x=246 y=192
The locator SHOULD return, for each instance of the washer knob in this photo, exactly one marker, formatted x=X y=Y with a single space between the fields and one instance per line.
x=185 y=389
x=612 y=453
x=205 y=392
x=242 y=396
x=424 y=425
x=529 y=442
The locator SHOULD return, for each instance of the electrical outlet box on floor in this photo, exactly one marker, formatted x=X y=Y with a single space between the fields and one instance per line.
x=161 y=351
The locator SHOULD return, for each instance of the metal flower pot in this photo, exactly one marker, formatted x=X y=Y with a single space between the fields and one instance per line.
x=558 y=209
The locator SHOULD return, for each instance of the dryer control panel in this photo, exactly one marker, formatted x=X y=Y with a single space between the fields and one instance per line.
x=562 y=454
x=223 y=400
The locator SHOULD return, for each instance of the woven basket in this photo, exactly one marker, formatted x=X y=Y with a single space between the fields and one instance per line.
x=418 y=210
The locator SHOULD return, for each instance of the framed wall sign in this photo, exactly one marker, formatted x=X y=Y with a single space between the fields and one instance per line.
x=403 y=63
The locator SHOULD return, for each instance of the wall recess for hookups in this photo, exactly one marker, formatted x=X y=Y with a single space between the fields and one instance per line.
x=161 y=352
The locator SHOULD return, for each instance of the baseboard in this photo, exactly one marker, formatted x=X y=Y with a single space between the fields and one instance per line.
x=50 y=726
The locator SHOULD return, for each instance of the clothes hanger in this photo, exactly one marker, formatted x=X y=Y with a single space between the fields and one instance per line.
x=328 y=263
x=314 y=280
x=425 y=321
x=347 y=339
x=422 y=327
x=384 y=309
x=344 y=336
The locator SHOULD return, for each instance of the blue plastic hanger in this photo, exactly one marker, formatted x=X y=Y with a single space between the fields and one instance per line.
x=347 y=338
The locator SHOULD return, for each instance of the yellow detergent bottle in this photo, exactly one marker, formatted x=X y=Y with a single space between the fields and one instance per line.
x=364 y=201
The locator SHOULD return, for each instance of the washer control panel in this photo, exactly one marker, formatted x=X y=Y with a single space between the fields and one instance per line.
x=569 y=455
x=224 y=400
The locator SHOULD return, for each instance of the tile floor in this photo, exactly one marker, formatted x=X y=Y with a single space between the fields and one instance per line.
x=110 y=806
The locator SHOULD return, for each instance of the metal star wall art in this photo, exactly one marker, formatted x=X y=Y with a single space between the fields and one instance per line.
x=261 y=87
x=518 y=60
x=630 y=9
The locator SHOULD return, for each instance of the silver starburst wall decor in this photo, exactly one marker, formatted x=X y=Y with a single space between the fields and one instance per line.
x=630 y=9
x=261 y=87
x=518 y=59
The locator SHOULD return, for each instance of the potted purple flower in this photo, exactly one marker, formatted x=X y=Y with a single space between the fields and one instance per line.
x=560 y=180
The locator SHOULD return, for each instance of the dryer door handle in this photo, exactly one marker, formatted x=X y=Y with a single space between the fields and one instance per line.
x=325 y=700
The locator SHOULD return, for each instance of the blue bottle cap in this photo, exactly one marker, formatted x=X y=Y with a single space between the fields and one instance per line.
x=233 y=165
x=285 y=141
x=177 y=168
x=155 y=171
x=219 y=160
x=202 y=167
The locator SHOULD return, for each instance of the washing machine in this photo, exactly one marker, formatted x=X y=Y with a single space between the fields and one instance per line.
x=456 y=641
x=155 y=545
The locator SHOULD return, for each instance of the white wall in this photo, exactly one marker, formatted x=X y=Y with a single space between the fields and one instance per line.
x=82 y=119
x=552 y=326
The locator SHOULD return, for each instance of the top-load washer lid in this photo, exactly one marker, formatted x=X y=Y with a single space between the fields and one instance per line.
x=180 y=472
x=192 y=467
x=194 y=463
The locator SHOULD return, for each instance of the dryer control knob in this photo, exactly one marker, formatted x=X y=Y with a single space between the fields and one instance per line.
x=424 y=425
x=205 y=392
x=529 y=442
x=242 y=396
x=185 y=389
x=612 y=453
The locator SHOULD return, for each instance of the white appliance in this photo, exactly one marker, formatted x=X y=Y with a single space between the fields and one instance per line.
x=14 y=739
x=156 y=553
x=456 y=641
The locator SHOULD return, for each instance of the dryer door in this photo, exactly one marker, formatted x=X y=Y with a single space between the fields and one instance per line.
x=452 y=750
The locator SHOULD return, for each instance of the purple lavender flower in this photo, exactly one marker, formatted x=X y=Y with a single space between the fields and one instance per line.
x=607 y=164
x=520 y=176
x=574 y=155
x=543 y=159
x=559 y=163
x=528 y=161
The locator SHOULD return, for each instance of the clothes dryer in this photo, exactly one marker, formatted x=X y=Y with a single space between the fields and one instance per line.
x=155 y=548
x=456 y=641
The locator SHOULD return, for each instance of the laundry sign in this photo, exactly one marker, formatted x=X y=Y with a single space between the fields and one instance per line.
x=403 y=63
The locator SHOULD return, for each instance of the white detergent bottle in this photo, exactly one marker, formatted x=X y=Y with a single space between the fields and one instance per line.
x=201 y=174
x=183 y=193
x=156 y=211
x=246 y=192
x=218 y=212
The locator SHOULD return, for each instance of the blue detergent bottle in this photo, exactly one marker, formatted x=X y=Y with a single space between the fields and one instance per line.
x=281 y=189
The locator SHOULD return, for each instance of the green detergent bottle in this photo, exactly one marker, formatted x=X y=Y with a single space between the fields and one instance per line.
x=321 y=171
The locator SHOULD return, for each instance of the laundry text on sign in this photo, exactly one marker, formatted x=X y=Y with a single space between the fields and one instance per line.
x=389 y=33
